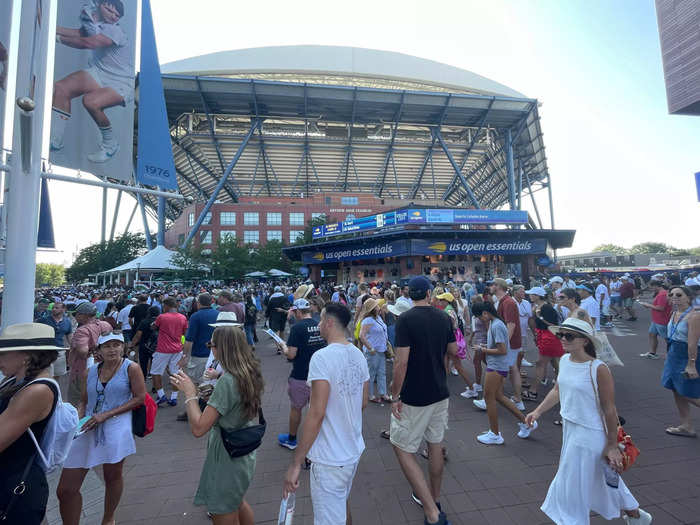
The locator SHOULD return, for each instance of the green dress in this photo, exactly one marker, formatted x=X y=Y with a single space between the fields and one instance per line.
x=225 y=480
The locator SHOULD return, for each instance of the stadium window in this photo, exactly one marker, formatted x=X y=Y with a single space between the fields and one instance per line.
x=251 y=218
x=348 y=201
x=296 y=219
x=274 y=219
x=328 y=201
x=207 y=219
x=317 y=215
x=190 y=219
x=295 y=234
x=228 y=235
x=205 y=237
x=227 y=218
x=274 y=235
x=251 y=236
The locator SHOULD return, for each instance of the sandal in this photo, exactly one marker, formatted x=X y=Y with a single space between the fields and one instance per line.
x=680 y=431
x=385 y=434
x=558 y=422
x=529 y=396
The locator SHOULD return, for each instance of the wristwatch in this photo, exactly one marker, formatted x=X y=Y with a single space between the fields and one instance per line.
x=396 y=399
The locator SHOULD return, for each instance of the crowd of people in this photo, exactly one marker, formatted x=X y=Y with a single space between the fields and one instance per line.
x=348 y=346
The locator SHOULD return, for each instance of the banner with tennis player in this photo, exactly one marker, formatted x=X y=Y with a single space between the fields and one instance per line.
x=92 y=117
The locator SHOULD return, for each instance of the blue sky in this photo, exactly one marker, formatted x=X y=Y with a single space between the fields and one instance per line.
x=622 y=167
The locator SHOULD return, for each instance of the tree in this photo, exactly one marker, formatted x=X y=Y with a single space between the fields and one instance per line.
x=271 y=256
x=612 y=248
x=49 y=275
x=651 y=247
x=99 y=257
x=190 y=262
x=230 y=259
x=694 y=251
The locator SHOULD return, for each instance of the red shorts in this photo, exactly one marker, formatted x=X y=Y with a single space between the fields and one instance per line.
x=548 y=344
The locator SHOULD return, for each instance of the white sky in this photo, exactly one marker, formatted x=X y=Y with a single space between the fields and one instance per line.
x=622 y=168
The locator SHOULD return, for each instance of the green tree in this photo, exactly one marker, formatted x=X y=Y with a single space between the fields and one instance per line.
x=694 y=251
x=230 y=259
x=271 y=256
x=612 y=248
x=99 y=257
x=310 y=224
x=651 y=247
x=49 y=274
x=191 y=262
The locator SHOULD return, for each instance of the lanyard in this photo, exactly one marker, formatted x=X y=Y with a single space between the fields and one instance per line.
x=675 y=325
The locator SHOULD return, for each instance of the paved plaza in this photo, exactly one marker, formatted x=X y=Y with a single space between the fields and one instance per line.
x=499 y=485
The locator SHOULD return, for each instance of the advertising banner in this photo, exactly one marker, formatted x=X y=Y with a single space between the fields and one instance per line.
x=477 y=247
x=92 y=117
x=353 y=252
x=5 y=25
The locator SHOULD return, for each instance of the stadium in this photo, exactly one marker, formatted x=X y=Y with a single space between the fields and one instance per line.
x=343 y=132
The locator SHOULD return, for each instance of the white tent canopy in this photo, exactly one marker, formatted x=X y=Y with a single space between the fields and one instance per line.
x=256 y=274
x=278 y=273
x=159 y=258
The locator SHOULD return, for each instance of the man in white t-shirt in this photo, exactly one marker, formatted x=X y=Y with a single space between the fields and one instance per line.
x=589 y=304
x=123 y=320
x=602 y=297
x=525 y=311
x=615 y=297
x=568 y=283
x=332 y=433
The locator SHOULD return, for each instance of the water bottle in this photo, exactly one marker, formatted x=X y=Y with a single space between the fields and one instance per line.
x=286 y=516
x=612 y=478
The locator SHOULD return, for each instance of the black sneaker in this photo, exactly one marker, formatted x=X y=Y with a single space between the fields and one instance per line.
x=442 y=520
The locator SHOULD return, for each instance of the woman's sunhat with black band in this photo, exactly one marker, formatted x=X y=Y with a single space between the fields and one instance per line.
x=226 y=319
x=28 y=336
x=577 y=326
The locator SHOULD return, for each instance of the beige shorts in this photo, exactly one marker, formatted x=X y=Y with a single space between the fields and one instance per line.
x=162 y=362
x=418 y=423
x=75 y=390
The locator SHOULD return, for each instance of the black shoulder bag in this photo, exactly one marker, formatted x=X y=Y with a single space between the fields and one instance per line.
x=245 y=440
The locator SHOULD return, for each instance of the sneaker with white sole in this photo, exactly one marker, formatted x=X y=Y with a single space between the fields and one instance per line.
x=643 y=519
x=469 y=393
x=519 y=404
x=454 y=371
x=480 y=404
x=525 y=430
x=525 y=362
x=649 y=355
x=103 y=154
x=476 y=387
x=489 y=438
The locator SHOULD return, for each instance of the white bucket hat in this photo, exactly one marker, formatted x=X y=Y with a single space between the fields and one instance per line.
x=28 y=336
x=226 y=319
x=399 y=307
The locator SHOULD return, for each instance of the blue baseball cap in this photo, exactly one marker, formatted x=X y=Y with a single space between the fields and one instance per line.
x=420 y=284
x=583 y=287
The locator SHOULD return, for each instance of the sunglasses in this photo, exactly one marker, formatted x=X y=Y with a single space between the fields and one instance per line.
x=676 y=295
x=568 y=336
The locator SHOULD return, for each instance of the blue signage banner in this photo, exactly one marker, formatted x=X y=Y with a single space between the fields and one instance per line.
x=424 y=216
x=353 y=252
x=477 y=247
x=697 y=184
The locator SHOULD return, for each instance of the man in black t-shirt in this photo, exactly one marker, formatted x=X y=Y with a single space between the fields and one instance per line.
x=304 y=339
x=139 y=312
x=424 y=338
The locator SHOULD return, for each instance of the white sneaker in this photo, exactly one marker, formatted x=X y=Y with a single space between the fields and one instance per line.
x=519 y=404
x=489 y=438
x=525 y=430
x=480 y=403
x=649 y=355
x=643 y=519
x=104 y=154
x=469 y=393
x=525 y=362
x=454 y=371
x=477 y=387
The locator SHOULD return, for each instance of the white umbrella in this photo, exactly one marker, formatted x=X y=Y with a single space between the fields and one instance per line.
x=278 y=273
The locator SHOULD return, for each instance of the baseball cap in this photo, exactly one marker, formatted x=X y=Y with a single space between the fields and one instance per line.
x=536 y=290
x=556 y=279
x=500 y=282
x=44 y=300
x=278 y=289
x=583 y=287
x=447 y=296
x=111 y=336
x=420 y=284
x=301 y=304
x=86 y=308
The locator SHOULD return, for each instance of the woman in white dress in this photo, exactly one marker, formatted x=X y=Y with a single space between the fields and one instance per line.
x=590 y=462
x=112 y=390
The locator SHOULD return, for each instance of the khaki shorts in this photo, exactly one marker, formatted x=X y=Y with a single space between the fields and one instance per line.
x=58 y=367
x=418 y=423
x=75 y=388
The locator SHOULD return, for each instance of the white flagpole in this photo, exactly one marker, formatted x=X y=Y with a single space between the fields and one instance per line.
x=34 y=76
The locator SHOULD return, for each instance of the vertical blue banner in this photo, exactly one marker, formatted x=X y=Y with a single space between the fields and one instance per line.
x=697 y=184
x=155 y=165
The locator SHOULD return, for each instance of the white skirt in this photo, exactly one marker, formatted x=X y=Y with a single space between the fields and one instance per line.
x=579 y=486
x=109 y=444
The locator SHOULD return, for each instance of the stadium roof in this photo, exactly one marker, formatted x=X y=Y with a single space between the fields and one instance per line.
x=345 y=133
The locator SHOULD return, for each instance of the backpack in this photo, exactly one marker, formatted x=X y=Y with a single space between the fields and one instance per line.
x=59 y=433
x=151 y=343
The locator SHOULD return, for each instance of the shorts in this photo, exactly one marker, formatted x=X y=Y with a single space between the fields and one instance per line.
x=513 y=356
x=299 y=393
x=605 y=310
x=500 y=372
x=330 y=489
x=627 y=302
x=75 y=390
x=615 y=300
x=58 y=367
x=195 y=368
x=122 y=85
x=162 y=361
x=658 y=329
x=418 y=423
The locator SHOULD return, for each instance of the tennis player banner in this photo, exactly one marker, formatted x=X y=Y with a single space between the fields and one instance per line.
x=92 y=117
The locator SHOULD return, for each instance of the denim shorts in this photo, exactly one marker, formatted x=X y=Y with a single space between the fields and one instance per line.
x=658 y=329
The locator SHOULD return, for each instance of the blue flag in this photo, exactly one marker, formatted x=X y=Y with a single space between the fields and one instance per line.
x=155 y=166
x=45 y=238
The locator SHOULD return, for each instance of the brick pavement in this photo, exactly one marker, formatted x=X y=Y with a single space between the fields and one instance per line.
x=490 y=485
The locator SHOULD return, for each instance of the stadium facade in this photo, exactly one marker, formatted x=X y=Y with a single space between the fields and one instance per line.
x=291 y=132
